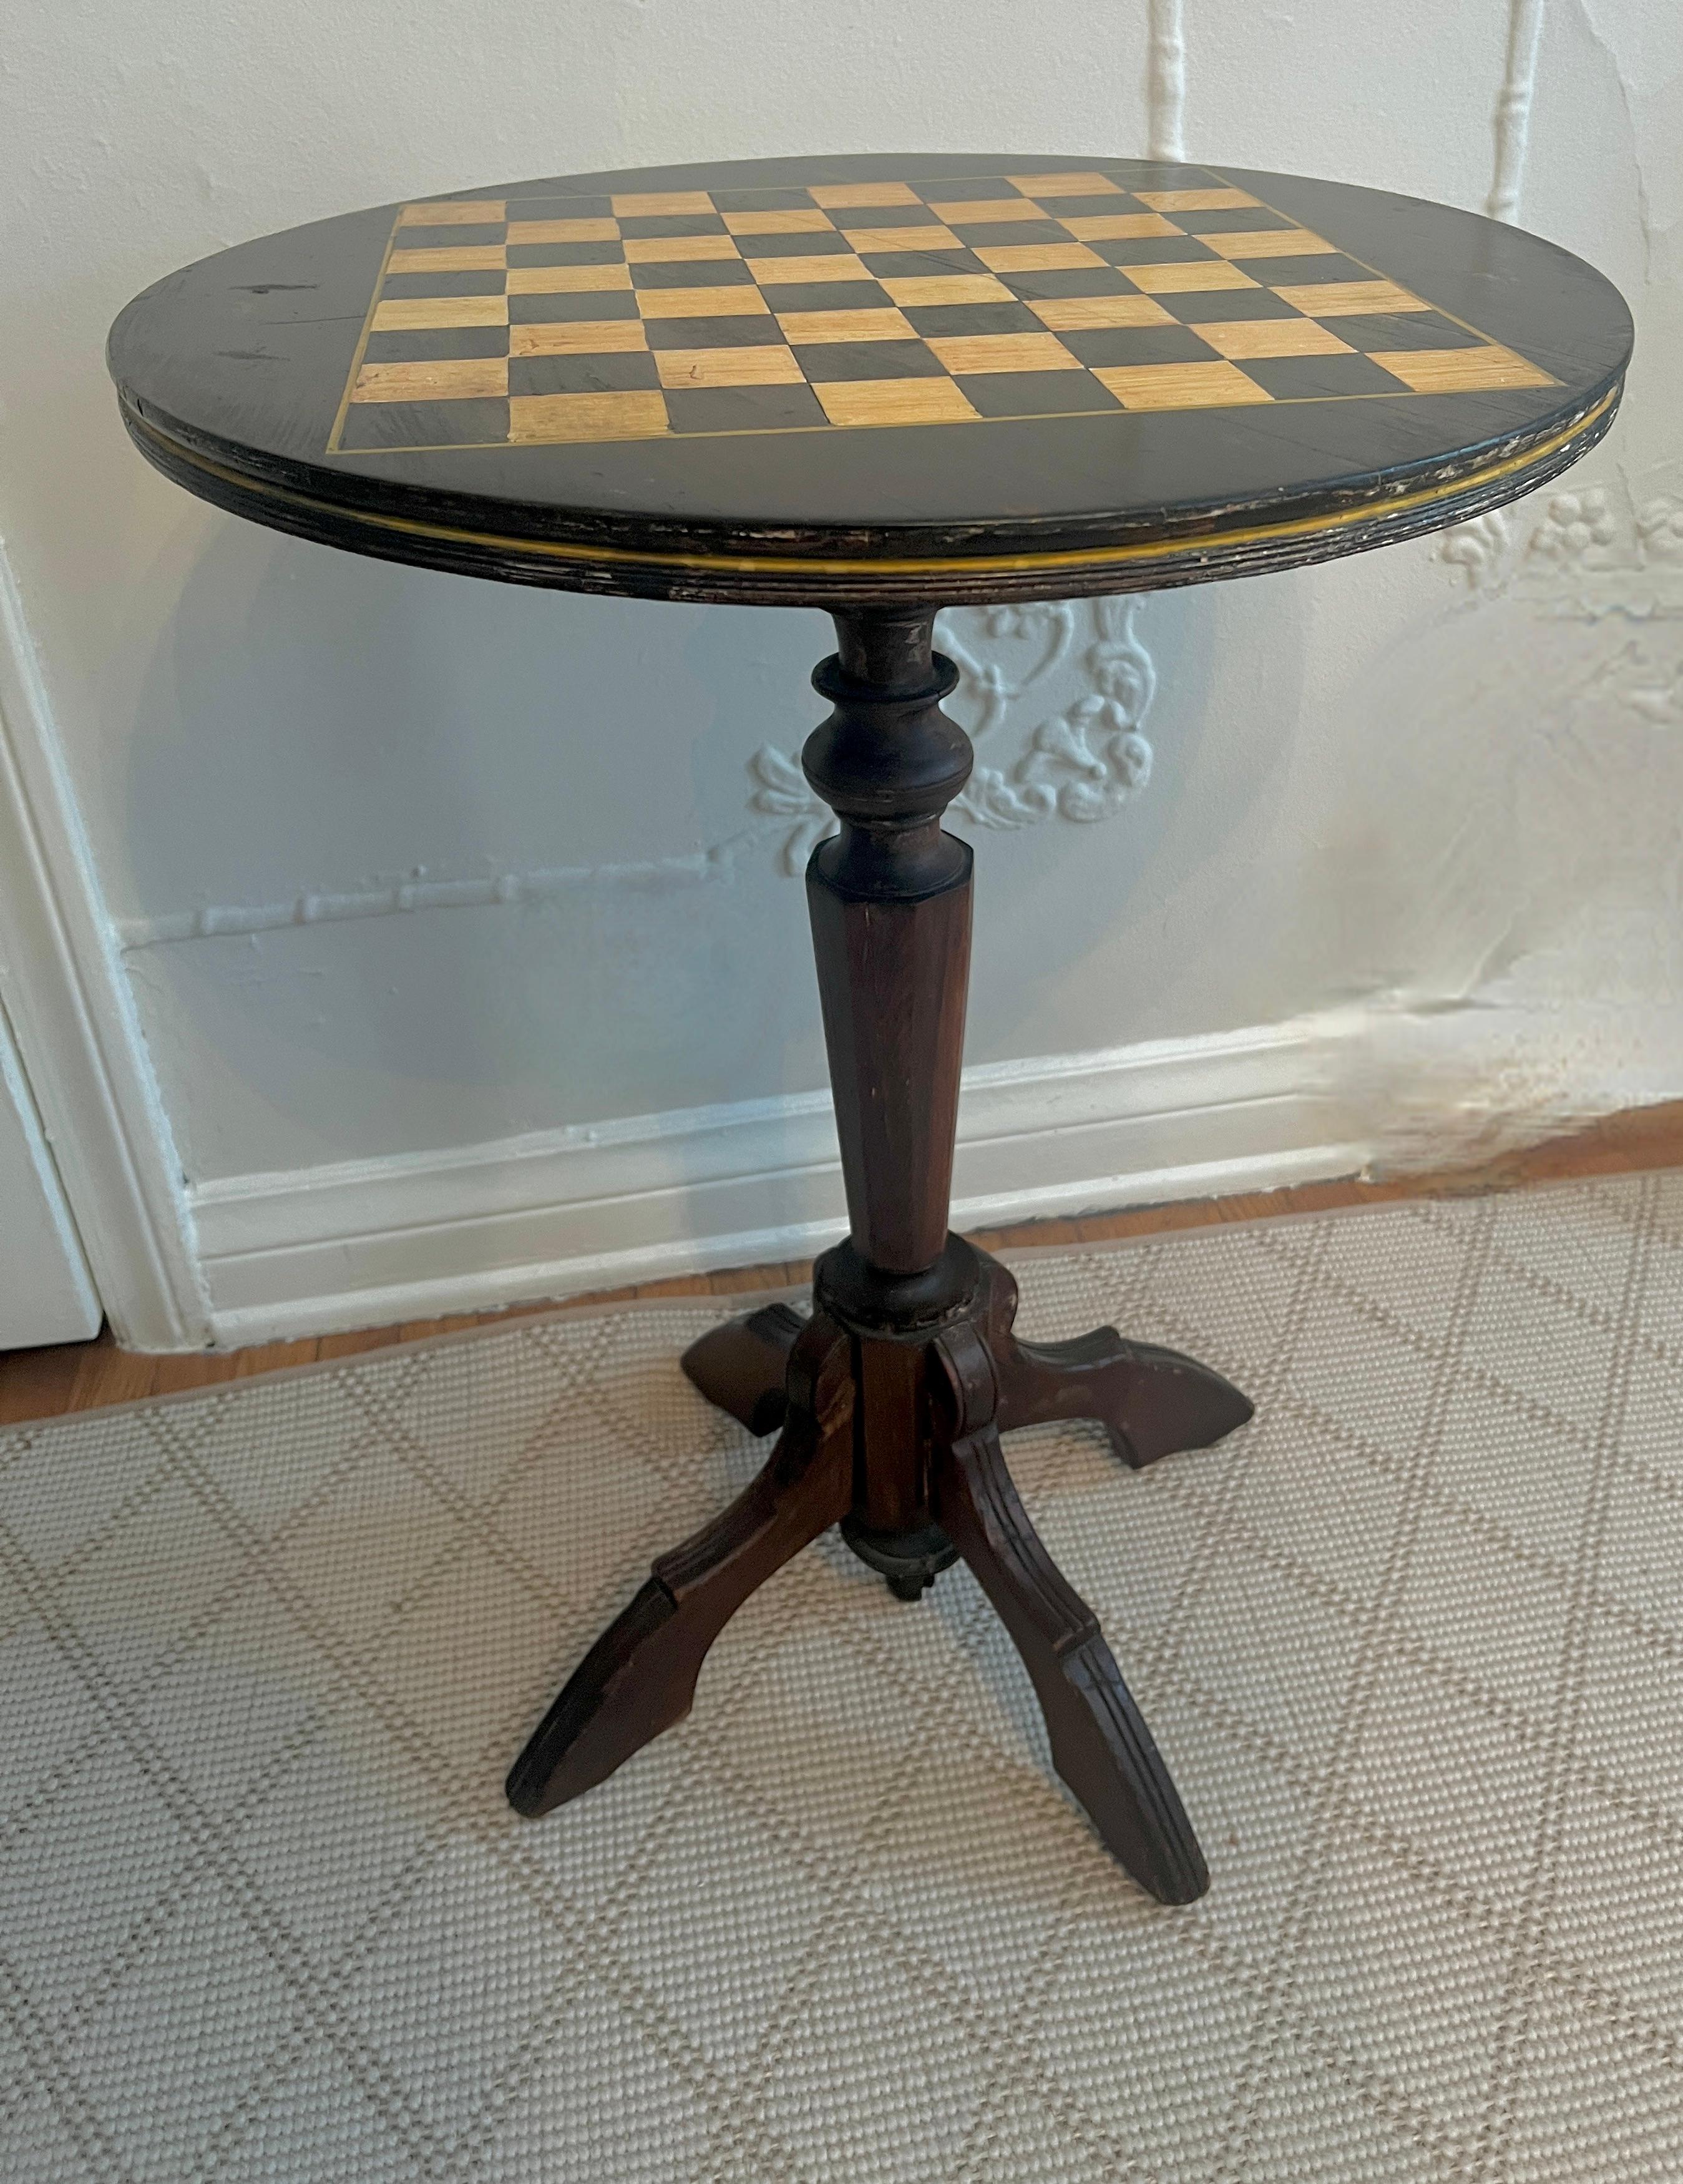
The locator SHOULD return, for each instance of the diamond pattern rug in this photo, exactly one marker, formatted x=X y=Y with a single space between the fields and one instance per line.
x=1412 y=1643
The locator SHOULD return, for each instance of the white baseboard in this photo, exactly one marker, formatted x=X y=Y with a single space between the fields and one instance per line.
x=602 y=1205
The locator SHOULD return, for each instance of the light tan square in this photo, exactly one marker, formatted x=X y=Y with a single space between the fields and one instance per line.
x=1460 y=370
x=789 y=272
x=533 y=418
x=948 y=288
x=962 y=353
x=1194 y=200
x=454 y=379
x=1035 y=257
x=894 y=402
x=845 y=326
x=1075 y=314
x=900 y=238
x=1072 y=185
x=565 y=280
x=577 y=337
x=766 y=366
x=472 y=258
x=702 y=304
x=674 y=249
x=454 y=212
x=796 y=220
x=1182 y=279
x=1270 y=242
x=1120 y=226
x=563 y=231
x=843 y=196
x=1331 y=299
x=983 y=212
x=410 y=315
x=1271 y=337
x=649 y=205
x=1179 y=385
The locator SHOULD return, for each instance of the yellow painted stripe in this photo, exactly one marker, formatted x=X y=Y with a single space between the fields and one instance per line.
x=766 y=564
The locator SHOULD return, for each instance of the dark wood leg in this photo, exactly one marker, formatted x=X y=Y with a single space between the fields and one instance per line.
x=892 y=1398
x=1099 y=1745
x=640 y=1676
x=1151 y=1402
x=741 y=1365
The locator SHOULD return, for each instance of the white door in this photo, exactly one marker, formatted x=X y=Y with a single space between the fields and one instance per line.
x=46 y=1292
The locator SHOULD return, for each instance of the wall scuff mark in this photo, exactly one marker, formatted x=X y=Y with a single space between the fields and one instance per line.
x=1513 y=107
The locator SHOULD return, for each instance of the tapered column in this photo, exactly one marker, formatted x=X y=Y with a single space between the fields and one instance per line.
x=890 y=899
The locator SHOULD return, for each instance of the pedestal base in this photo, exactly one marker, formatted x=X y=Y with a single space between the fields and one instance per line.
x=890 y=1428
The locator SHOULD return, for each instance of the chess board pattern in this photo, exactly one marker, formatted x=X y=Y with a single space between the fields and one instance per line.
x=519 y=321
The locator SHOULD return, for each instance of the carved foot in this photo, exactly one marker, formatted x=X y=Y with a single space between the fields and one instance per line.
x=640 y=1676
x=741 y=1365
x=1099 y=1745
x=1151 y=1402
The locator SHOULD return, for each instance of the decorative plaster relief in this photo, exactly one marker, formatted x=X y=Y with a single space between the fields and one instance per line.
x=1081 y=764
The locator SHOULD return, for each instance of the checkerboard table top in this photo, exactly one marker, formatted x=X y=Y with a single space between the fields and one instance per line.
x=874 y=361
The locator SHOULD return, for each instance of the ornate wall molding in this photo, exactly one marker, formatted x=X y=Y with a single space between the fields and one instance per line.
x=1081 y=764
x=1513 y=107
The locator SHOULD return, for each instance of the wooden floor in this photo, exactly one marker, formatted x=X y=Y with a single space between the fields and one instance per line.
x=81 y=1376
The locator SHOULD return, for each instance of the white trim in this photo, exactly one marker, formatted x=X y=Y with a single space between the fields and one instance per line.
x=77 y=1030
x=46 y=1293
x=369 y=1242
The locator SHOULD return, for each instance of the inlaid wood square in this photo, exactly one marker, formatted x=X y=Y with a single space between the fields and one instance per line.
x=845 y=305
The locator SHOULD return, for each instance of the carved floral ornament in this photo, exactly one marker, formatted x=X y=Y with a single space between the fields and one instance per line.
x=1082 y=764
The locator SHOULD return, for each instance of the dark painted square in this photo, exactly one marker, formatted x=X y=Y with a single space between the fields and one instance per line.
x=985 y=235
x=673 y=223
x=756 y=333
x=826 y=296
x=1059 y=207
x=911 y=215
x=1033 y=393
x=558 y=204
x=973 y=319
x=443 y=284
x=430 y=342
x=966 y=189
x=761 y=200
x=1198 y=306
x=446 y=238
x=742 y=408
x=919 y=264
x=424 y=424
x=575 y=304
x=822 y=361
x=1403 y=329
x=1231 y=222
x=1138 y=345
x=1069 y=280
x=694 y=273
x=1309 y=378
x=1294 y=272
x=821 y=242
x=1160 y=174
x=1152 y=250
x=565 y=254
x=580 y=375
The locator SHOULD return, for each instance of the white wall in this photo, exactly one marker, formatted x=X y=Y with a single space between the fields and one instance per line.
x=1404 y=876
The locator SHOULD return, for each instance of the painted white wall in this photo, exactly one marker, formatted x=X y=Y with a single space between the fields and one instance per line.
x=46 y=1294
x=1403 y=878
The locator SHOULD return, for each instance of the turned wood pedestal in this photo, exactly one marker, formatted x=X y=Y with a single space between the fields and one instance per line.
x=883 y=386
x=890 y=1401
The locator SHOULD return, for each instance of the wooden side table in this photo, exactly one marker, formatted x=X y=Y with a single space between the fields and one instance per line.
x=881 y=387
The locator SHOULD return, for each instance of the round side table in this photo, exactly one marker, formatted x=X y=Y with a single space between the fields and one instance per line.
x=881 y=387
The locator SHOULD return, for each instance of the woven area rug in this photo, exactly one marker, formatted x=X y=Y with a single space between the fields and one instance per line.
x=1411 y=1644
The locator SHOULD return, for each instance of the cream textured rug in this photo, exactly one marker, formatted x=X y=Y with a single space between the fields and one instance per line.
x=1411 y=1644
